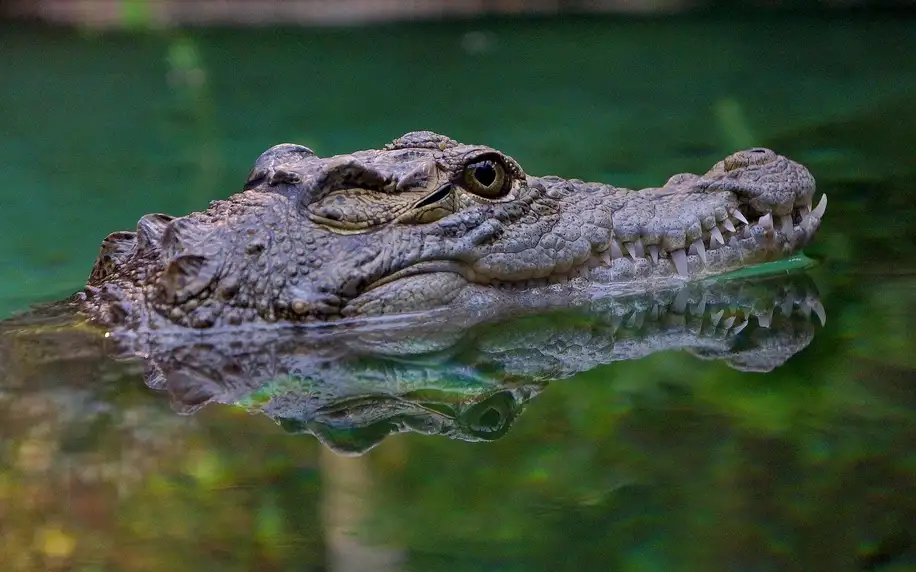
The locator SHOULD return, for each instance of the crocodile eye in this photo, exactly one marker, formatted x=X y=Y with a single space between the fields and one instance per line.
x=486 y=178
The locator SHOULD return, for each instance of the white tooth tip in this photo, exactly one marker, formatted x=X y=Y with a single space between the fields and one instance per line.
x=729 y=226
x=737 y=214
x=821 y=207
x=631 y=248
x=766 y=221
x=653 y=251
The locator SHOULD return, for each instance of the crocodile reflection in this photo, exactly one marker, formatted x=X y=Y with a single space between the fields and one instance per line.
x=469 y=378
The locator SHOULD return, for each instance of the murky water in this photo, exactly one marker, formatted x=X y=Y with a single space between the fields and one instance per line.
x=635 y=435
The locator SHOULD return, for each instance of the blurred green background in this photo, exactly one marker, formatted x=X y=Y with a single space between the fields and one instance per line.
x=668 y=463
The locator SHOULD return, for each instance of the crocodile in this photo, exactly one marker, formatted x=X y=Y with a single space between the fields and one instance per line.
x=427 y=222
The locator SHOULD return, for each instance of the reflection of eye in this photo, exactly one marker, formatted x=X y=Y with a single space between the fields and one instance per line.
x=491 y=418
x=486 y=178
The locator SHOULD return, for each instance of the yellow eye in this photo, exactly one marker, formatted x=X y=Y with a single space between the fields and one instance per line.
x=486 y=178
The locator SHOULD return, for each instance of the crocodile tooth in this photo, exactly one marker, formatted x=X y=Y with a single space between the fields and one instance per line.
x=631 y=248
x=737 y=214
x=700 y=250
x=821 y=207
x=729 y=225
x=729 y=322
x=819 y=310
x=615 y=250
x=679 y=257
x=740 y=327
x=716 y=235
x=766 y=221
x=715 y=317
x=787 y=226
x=606 y=257
x=653 y=252
x=640 y=249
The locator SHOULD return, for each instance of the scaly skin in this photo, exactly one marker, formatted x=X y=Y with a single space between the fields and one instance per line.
x=427 y=222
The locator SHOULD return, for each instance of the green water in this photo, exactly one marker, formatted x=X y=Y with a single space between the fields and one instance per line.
x=665 y=463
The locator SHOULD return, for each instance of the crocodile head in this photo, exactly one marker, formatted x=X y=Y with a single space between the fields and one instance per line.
x=427 y=222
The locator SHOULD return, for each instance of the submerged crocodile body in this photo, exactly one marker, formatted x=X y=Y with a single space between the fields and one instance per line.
x=428 y=222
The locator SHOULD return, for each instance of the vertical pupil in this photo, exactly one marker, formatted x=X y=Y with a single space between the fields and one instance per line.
x=485 y=174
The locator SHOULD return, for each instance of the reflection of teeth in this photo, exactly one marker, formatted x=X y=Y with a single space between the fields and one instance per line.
x=728 y=322
x=786 y=307
x=700 y=307
x=821 y=207
x=765 y=319
x=714 y=318
x=819 y=310
x=740 y=327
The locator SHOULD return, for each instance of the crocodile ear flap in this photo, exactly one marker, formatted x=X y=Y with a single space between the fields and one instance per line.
x=115 y=250
x=182 y=236
x=186 y=276
x=684 y=180
x=150 y=229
